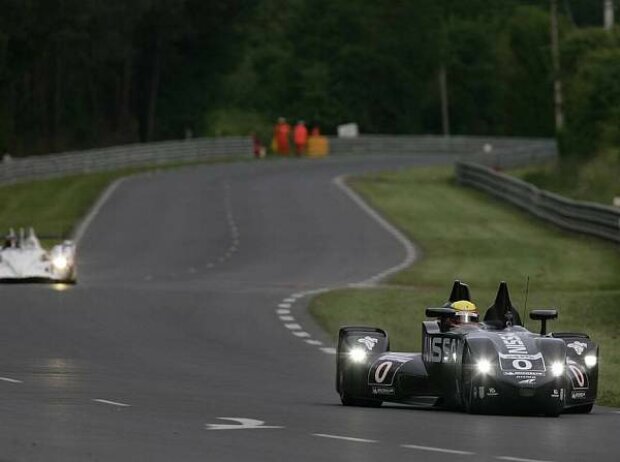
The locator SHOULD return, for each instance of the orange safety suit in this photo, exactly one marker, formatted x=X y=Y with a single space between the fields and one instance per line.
x=301 y=138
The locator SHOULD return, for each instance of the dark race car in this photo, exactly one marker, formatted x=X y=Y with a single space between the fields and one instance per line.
x=493 y=366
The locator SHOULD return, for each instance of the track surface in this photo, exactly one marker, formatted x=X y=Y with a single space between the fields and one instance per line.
x=174 y=325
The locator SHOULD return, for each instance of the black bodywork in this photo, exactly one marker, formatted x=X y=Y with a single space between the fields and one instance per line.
x=526 y=372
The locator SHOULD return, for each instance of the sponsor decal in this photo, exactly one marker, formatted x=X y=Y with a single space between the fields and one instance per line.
x=527 y=381
x=370 y=342
x=442 y=350
x=513 y=344
x=386 y=391
x=579 y=347
x=492 y=392
x=556 y=393
x=522 y=364
x=578 y=395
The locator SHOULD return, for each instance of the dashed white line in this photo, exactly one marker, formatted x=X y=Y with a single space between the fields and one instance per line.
x=9 y=380
x=314 y=342
x=293 y=326
x=283 y=311
x=301 y=334
x=287 y=318
x=284 y=305
x=434 y=449
x=345 y=438
x=111 y=403
x=519 y=459
x=329 y=350
x=289 y=300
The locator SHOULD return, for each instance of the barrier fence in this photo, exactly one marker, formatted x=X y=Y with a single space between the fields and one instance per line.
x=584 y=217
x=495 y=151
x=119 y=157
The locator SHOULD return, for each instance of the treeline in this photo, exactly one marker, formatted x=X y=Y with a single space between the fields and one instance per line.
x=83 y=73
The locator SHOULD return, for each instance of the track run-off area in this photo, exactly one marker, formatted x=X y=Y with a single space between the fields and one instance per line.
x=187 y=336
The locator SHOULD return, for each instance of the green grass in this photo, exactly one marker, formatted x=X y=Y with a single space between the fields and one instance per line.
x=596 y=179
x=464 y=234
x=53 y=207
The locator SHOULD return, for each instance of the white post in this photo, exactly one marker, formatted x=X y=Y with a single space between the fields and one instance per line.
x=609 y=14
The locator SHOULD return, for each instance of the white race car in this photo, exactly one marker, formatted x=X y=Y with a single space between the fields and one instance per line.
x=23 y=259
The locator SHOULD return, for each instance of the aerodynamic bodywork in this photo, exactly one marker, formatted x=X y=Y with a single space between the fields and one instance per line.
x=23 y=259
x=493 y=366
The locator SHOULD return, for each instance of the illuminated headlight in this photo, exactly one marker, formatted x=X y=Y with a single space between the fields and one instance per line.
x=557 y=368
x=357 y=355
x=484 y=366
x=590 y=360
x=60 y=262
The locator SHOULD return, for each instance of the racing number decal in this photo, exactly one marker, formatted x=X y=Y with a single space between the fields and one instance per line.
x=382 y=371
x=522 y=364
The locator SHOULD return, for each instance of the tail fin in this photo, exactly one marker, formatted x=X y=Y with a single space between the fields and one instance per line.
x=460 y=291
x=502 y=309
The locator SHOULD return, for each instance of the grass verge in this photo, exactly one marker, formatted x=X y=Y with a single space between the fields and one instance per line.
x=464 y=234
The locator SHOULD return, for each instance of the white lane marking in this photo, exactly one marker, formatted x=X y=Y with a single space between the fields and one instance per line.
x=314 y=342
x=9 y=380
x=242 y=424
x=329 y=350
x=79 y=232
x=519 y=459
x=302 y=334
x=410 y=252
x=293 y=326
x=284 y=305
x=112 y=403
x=345 y=438
x=287 y=318
x=289 y=300
x=434 y=449
x=283 y=311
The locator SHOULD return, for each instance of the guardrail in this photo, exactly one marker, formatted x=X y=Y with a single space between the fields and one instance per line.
x=500 y=152
x=495 y=151
x=584 y=217
x=117 y=157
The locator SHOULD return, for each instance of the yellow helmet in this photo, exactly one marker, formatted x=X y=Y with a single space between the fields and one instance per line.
x=466 y=311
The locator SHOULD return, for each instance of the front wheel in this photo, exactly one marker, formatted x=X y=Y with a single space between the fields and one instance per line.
x=348 y=400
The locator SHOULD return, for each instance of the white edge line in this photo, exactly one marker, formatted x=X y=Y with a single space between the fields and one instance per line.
x=519 y=459
x=410 y=252
x=293 y=326
x=284 y=305
x=283 y=311
x=79 y=232
x=9 y=380
x=314 y=342
x=112 y=403
x=345 y=438
x=434 y=449
x=301 y=334
x=287 y=318
x=329 y=350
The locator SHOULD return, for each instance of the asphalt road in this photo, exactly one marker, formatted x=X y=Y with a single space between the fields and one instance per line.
x=191 y=308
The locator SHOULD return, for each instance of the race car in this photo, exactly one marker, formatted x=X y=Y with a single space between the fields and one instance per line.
x=23 y=259
x=489 y=366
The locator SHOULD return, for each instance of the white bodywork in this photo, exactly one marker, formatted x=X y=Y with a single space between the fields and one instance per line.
x=23 y=258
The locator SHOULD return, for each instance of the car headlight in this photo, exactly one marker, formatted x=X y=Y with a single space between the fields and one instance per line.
x=557 y=368
x=483 y=366
x=590 y=360
x=358 y=355
x=60 y=262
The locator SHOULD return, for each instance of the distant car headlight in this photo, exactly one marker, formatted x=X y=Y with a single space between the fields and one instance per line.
x=557 y=368
x=483 y=366
x=590 y=360
x=358 y=355
x=60 y=262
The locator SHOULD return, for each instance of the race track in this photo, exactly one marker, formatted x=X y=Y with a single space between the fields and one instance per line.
x=176 y=324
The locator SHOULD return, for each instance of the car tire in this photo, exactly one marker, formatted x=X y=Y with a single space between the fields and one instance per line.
x=346 y=398
x=583 y=409
x=467 y=383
